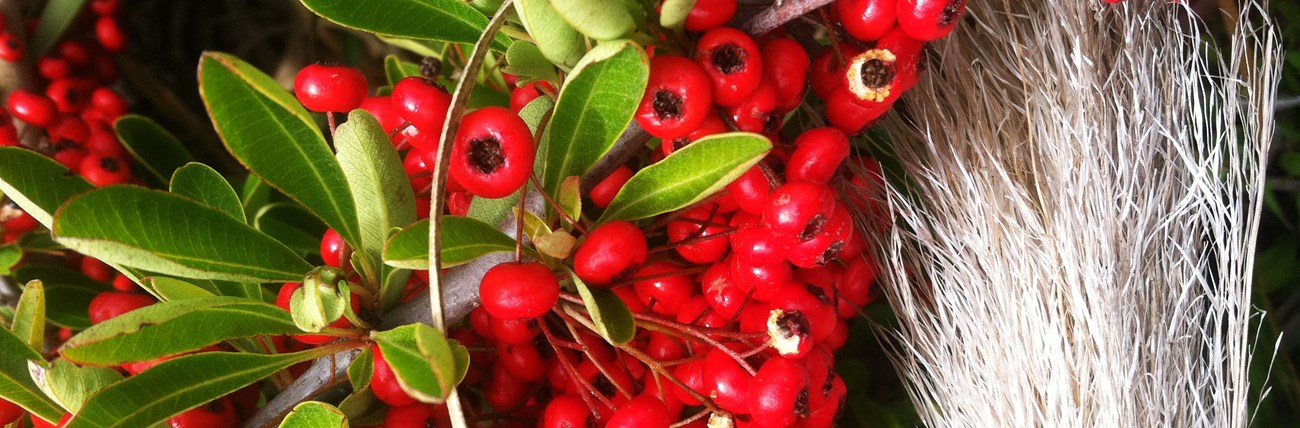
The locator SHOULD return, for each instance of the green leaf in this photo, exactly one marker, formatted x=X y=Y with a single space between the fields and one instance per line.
x=594 y=107
x=361 y=369
x=597 y=19
x=553 y=244
x=421 y=359
x=170 y=289
x=419 y=47
x=525 y=60
x=204 y=184
x=291 y=225
x=396 y=69
x=441 y=20
x=320 y=300
x=673 y=13
x=379 y=186
x=16 y=383
x=37 y=183
x=363 y=408
x=169 y=234
x=70 y=385
x=10 y=255
x=29 y=315
x=67 y=294
x=55 y=18
x=314 y=414
x=269 y=132
x=612 y=318
x=175 y=327
x=688 y=175
x=178 y=385
x=463 y=240
x=557 y=40
x=156 y=150
x=570 y=198
x=254 y=195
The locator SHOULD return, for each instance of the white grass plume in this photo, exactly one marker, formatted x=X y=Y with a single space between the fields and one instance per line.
x=1074 y=243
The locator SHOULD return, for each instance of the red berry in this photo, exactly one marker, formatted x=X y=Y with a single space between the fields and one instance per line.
x=105 y=7
x=760 y=111
x=52 y=68
x=109 y=34
x=678 y=97
x=69 y=128
x=817 y=154
x=855 y=286
x=493 y=153
x=382 y=109
x=709 y=14
x=383 y=382
x=517 y=290
x=867 y=20
x=692 y=375
x=67 y=153
x=605 y=191
x=712 y=124
x=109 y=304
x=778 y=396
x=697 y=226
x=812 y=302
x=845 y=113
x=9 y=412
x=332 y=248
x=330 y=88
x=419 y=101
x=417 y=415
x=726 y=381
x=102 y=170
x=611 y=251
x=664 y=286
x=523 y=361
x=513 y=332
x=826 y=244
x=503 y=391
x=786 y=64
x=751 y=190
x=722 y=294
x=108 y=101
x=95 y=269
x=105 y=143
x=521 y=96
x=799 y=209
x=757 y=245
x=23 y=222
x=733 y=63
x=565 y=411
x=760 y=280
x=219 y=413
x=122 y=283
x=644 y=411
x=928 y=20
x=828 y=70
x=70 y=95
x=32 y=108
x=11 y=49
x=37 y=422
x=74 y=52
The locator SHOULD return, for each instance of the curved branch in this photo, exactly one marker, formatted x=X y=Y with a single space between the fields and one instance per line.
x=771 y=18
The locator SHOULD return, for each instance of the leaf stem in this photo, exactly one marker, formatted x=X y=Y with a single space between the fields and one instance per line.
x=556 y=206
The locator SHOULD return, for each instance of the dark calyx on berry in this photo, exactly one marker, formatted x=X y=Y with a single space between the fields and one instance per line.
x=950 y=13
x=877 y=74
x=729 y=58
x=485 y=154
x=667 y=105
x=109 y=164
x=813 y=228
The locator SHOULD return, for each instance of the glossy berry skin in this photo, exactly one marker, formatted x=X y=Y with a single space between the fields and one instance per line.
x=928 y=20
x=97 y=270
x=122 y=283
x=867 y=20
x=332 y=248
x=52 y=68
x=503 y=391
x=37 y=422
x=678 y=97
x=422 y=103
x=778 y=396
x=9 y=412
x=726 y=381
x=817 y=154
x=786 y=65
x=513 y=332
x=757 y=245
x=32 y=108
x=417 y=415
x=493 y=152
x=109 y=34
x=751 y=190
x=825 y=246
x=109 y=102
x=383 y=382
x=109 y=304
x=330 y=88
x=611 y=251
x=521 y=96
x=518 y=290
x=711 y=125
x=667 y=290
x=844 y=112
x=523 y=361
x=759 y=112
x=102 y=170
x=722 y=294
x=733 y=62
x=827 y=73
x=810 y=301
x=691 y=239
x=70 y=95
x=219 y=413
x=605 y=191
x=644 y=411
x=565 y=411
x=709 y=14
x=799 y=209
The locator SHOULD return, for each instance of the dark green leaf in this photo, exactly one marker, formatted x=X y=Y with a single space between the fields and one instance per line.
x=10 y=255
x=204 y=184
x=557 y=40
x=157 y=151
x=29 y=315
x=613 y=319
x=422 y=359
x=314 y=414
x=598 y=19
x=362 y=408
x=169 y=234
x=171 y=328
x=37 y=183
x=291 y=225
x=265 y=128
x=361 y=369
x=375 y=175
x=442 y=20
x=688 y=175
x=396 y=69
x=70 y=385
x=255 y=195
x=594 y=107
x=463 y=239
x=170 y=289
x=55 y=18
x=525 y=60
x=67 y=294
x=178 y=385
x=16 y=383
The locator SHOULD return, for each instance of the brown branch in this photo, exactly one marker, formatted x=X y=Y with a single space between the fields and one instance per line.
x=771 y=18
